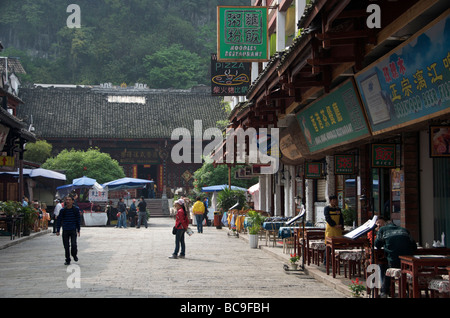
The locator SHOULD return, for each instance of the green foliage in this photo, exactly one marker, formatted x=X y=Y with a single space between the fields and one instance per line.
x=256 y=220
x=349 y=216
x=38 y=152
x=174 y=67
x=116 y=41
x=13 y=208
x=208 y=175
x=227 y=198
x=91 y=163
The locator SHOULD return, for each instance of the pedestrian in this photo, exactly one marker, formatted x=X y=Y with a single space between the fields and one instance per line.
x=181 y=225
x=70 y=220
x=396 y=241
x=133 y=213
x=142 y=208
x=45 y=216
x=122 y=214
x=205 y=215
x=56 y=211
x=198 y=209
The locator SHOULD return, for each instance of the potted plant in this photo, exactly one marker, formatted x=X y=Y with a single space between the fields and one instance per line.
x=357 y=288
x=255 y=222
x=293 y=261
x=30 y=216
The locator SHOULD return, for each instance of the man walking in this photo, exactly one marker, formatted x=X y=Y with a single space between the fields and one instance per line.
x=70 y=219
x=142 y=208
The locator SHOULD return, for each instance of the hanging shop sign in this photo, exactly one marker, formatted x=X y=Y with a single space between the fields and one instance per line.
x=411 y=84
x=229 y=78
x=439 y=141
x=383 y=155
x=313 y=170
x=334 y=120
x=344 y=164
x=242 y=33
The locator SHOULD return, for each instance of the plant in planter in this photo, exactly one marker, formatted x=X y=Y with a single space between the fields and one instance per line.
x=30 y=216
x=293 y=261
x=256 y=220
x=357 y=288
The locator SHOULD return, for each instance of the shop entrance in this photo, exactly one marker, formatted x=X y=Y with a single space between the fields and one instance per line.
x=386 y=193
x=148 y=172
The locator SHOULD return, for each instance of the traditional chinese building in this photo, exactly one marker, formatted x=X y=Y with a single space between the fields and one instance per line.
x=14 y=133
x=133 y=124
x=363 y=110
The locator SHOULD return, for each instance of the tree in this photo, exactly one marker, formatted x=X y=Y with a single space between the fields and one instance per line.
x=174 y=67
x=38 y=152
x=91 y=163
x=208 y=175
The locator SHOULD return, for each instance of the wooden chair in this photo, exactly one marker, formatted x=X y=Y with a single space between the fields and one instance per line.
x=316 y=236
x=272 y=235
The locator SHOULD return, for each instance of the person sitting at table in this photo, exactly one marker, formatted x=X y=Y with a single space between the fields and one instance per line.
x=396 y=241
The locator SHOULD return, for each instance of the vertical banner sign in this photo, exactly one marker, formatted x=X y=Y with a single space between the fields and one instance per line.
x=229 y=78
x=344 y=164
x=242 y=34
x=383 y=155
x=410 y=84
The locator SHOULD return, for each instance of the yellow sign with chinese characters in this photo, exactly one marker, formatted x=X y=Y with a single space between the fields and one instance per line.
x=7 y=161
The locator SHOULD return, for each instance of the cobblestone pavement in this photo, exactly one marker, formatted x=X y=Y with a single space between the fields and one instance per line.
x=134 y=263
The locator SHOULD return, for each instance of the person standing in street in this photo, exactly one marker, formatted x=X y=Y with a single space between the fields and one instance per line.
x=70 y=219
x=56 y=211
x=198 y=209
x=133 y=213
x=142 y=208
x=181 y=225
x=122 y=218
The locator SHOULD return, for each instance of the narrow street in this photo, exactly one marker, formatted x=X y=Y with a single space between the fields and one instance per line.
x=115 y=263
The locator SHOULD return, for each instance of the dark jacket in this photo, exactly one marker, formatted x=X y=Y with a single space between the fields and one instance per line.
x=70 y=219
x=396 y=241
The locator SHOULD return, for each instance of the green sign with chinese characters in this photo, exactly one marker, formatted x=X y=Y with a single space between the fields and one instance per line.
x=333 y=120
x=313 y=170
x=242 y=34
x=344 y=164
x=383 y=156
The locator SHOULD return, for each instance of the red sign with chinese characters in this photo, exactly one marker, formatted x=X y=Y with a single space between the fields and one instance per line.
x=344 y=164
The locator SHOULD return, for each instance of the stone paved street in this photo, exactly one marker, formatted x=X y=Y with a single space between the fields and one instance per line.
x=134 y=263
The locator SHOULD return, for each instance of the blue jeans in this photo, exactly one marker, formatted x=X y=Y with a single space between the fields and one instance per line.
x=122 y=220
x=179 y=240
x=199 y=219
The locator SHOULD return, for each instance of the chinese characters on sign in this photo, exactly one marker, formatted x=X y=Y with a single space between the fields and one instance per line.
x=313 y=170
x=344 y=164
x=383 y=156
x=334 y=119
x=242 y=33
x=98 y=196
x=229 y=78
x=411 y=83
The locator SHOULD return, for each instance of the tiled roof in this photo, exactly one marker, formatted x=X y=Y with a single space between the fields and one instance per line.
x=84 y=112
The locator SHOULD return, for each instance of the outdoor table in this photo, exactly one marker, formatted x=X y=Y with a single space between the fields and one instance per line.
x=414 y=264
x=271 y=226
x=285 y=231
x=95 y=218
x=340 y=242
